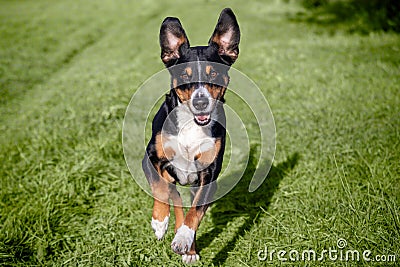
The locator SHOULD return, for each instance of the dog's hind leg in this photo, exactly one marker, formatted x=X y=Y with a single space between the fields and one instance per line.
x=178 y=209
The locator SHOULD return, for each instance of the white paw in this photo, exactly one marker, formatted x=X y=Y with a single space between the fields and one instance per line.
x=160 y=227
x=186 y=258
x=183 y=240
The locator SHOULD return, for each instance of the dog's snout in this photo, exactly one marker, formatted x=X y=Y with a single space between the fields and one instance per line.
x=200 y=103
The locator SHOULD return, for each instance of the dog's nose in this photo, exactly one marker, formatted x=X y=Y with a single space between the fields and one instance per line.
x=200 y=103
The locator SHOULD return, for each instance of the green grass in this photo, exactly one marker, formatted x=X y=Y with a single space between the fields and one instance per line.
x=67 y=72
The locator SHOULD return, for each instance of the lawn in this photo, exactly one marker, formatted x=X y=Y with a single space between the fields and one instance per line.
x=67 y=72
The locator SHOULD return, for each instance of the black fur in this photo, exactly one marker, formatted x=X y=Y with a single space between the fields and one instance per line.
x=176 y=54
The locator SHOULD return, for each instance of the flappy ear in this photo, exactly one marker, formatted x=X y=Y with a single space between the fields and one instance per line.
x=226 y=36
x=173 y=40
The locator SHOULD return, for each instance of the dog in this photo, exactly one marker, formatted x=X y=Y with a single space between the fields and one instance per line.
x=188 y=131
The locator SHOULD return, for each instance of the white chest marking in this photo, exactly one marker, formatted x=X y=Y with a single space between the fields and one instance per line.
x=191 y=140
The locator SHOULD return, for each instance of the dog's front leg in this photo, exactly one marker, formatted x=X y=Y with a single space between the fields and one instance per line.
x=184 y=242
x=159 y=185
x=160 y=217
x=178 y=207
x=163 y=190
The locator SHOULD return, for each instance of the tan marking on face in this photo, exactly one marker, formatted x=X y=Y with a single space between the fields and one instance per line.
x=175 y=83
x=226 y=80
x=184 y=94
x=189 y=71
x=208 y=69
x=163 y=153
x=207 y=157
x=223 y=89
x=215 y=91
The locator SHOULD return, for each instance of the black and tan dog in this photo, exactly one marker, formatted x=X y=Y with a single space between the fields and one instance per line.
x=188 y=131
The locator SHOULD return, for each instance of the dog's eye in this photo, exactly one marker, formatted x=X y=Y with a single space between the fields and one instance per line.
x=184 y=76
x=213 y=74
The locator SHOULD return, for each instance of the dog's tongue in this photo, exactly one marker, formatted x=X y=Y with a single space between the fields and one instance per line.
x=202 y=117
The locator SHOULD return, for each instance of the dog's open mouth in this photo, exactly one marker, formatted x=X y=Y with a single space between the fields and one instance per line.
x=202 y=119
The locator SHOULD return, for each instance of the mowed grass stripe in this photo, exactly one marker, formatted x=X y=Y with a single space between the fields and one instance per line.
x=51 y=179
x=107 y=20
x=38 y=38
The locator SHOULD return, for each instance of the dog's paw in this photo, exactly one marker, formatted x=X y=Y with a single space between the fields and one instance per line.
x=187 y=258
x=183 y=240
x=160 y=227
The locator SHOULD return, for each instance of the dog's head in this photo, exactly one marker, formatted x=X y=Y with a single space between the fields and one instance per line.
x=199 y=75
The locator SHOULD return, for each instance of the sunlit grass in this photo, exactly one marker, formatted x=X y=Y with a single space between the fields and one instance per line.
x=67 y=72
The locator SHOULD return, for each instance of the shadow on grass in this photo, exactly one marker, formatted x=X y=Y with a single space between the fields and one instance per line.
x=354 y=16
x=240 y=203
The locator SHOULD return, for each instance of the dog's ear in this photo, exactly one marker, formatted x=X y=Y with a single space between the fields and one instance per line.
x=226 y=36
x=173 y=40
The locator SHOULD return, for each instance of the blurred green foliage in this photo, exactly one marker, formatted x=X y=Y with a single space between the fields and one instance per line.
x=361 y=15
